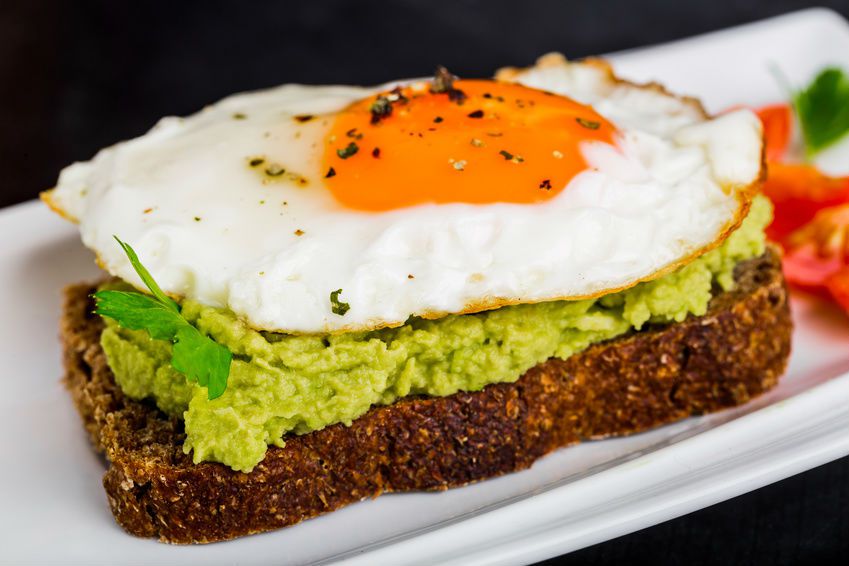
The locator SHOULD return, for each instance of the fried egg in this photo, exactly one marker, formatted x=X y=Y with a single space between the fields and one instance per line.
x=418 y=198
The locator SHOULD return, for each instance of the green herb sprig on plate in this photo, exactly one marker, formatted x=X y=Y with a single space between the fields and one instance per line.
x=823 y=110
x=193 y=354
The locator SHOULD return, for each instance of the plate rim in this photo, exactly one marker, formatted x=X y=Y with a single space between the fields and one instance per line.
x=481 y=543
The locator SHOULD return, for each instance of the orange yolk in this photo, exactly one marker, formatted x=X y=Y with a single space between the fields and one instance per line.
x=504 y=143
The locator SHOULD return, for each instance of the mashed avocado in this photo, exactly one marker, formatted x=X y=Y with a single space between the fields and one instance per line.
x=283 y=383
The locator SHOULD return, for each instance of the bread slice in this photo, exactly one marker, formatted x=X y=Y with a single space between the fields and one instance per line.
x=736 y=351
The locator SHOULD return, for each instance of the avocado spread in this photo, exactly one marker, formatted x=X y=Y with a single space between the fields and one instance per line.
x=281 y=383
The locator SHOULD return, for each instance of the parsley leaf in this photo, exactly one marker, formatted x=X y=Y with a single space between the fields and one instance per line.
x=139 y=312
x=823 y=109
x=193 y=354
x=146 y=277
x=200 y=359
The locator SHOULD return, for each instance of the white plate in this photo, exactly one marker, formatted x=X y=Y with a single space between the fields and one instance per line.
x=53 y=508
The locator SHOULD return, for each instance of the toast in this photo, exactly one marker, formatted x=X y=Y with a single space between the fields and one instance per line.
x=626 y=385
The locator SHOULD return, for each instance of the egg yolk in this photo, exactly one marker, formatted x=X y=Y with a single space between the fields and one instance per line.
x=480 y=142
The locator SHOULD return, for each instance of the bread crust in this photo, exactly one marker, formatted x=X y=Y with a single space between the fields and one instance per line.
x=630 y=384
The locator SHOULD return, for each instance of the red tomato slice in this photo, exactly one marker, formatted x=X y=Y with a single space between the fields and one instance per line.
x=838 y=285
x=811 y=214
x=798 y=193
x=804 y=269
x=777 y=120
x=819 y=250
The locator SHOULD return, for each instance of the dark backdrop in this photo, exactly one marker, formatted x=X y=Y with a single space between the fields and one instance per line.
x=78 y=75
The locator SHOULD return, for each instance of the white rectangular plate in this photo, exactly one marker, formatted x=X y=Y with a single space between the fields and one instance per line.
x=53 y=508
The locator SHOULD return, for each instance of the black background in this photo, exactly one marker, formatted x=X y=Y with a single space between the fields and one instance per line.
x=76 y=76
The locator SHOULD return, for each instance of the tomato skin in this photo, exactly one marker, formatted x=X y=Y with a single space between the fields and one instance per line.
x=838 y=286
x=777 y=120
x=817 y=255
x=811 y=214
x=798 y=192
x=805 y=269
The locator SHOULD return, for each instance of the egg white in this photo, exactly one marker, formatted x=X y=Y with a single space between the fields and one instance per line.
x=212 y=228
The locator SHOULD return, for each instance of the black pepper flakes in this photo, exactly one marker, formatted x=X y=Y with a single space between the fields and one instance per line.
x=456 y=95
x=443 y=83
x=443 y=80
x=437 y=120
x=353 y=133
x=330 y=173
x=274 y=170
x=375 y=153
x=397 y=95
x=475 y=114
x=304 y=118
x=545 y=184
x=256 y=161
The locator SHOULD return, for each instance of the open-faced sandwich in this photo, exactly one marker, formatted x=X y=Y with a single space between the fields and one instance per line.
x=321 y=294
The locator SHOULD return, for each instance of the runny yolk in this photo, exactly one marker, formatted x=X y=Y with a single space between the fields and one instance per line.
x=493 y=143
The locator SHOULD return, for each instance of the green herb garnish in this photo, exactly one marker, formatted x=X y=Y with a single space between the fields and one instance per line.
x=381 y=108
x=823 y=110
x=510 y=157
x=193 y=354
x=348 y=151
x=337 y=306
x=589 y=124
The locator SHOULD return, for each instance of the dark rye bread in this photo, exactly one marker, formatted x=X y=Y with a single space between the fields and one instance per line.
x=626 y=385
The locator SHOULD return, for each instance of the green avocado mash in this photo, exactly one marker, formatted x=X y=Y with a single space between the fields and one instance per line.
x=284 y=383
